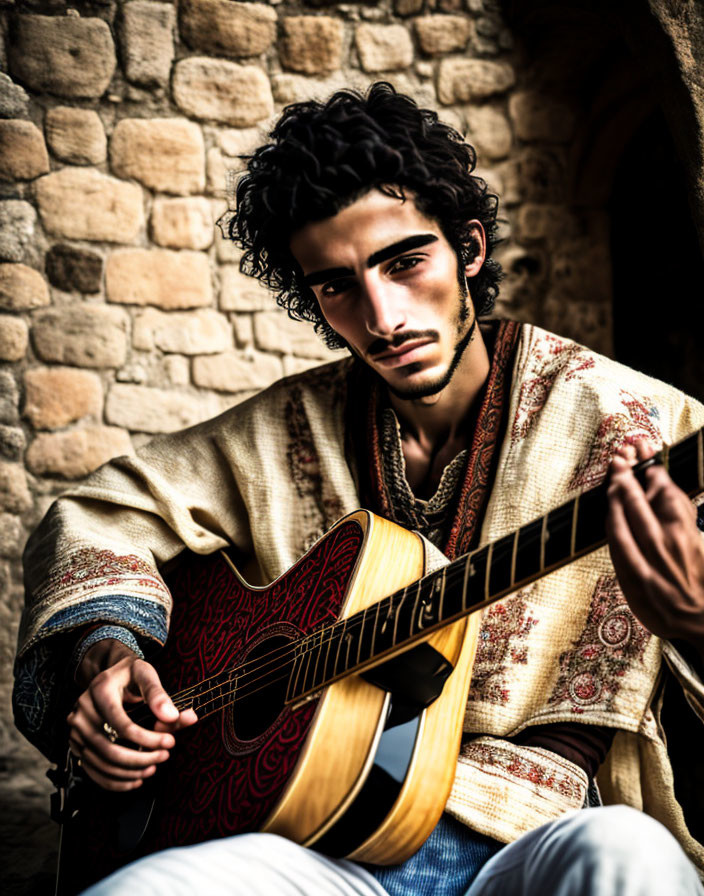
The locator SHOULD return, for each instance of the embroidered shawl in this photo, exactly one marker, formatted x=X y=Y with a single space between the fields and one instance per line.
x=271 y=475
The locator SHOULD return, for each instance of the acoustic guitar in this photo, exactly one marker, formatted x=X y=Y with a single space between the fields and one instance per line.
x=330 y=702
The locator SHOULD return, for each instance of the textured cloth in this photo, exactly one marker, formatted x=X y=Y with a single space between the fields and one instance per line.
x=271 y=475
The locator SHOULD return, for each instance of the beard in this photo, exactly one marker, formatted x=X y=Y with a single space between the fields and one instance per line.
x=441 y=382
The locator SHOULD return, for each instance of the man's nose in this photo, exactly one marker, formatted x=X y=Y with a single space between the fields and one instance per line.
x=384 y=310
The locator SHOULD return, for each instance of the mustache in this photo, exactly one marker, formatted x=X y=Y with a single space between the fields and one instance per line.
x=382 y=345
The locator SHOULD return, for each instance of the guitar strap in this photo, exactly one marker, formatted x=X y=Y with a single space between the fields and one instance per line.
x=465 y=506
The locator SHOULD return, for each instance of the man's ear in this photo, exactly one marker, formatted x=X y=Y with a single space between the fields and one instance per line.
x=475 y=249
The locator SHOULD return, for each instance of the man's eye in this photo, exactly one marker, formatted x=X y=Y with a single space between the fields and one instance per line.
x=335 y=288
x=405 y=263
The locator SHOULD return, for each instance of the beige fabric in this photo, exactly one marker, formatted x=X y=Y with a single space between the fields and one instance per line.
x=271 y=477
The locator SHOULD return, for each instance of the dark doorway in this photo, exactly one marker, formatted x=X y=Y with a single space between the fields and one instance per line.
x=658 y=271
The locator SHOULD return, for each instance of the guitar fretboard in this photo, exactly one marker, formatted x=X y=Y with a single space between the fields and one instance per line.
x=475 y=580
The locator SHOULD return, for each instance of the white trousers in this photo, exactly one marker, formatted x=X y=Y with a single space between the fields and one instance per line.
x=613 y=851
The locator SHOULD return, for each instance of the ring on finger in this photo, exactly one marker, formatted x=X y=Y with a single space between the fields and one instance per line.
x=110 y=732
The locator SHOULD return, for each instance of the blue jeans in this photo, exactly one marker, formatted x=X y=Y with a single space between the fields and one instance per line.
x=445 y=865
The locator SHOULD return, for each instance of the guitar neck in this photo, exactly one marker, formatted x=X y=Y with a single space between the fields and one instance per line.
x=475 y=580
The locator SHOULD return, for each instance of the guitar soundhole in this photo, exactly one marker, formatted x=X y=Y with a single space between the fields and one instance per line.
x=261 y=697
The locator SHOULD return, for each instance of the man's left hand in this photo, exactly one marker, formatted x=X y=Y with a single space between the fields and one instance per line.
x=656 y=548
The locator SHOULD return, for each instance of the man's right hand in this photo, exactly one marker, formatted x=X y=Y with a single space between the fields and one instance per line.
x=114 y=676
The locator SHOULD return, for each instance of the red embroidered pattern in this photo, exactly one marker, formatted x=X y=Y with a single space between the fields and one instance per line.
x=502 y=637
x=636 y=421
x=90 y=569
x=503 y=759
x=611 y=642
x=552 y=357
x=318 y=511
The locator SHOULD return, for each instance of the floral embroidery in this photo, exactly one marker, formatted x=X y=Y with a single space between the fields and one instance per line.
x=524 y=765
x=317 y=511
x=553 y=357
x=502 y=638
x=611 y=642
x=637 y=420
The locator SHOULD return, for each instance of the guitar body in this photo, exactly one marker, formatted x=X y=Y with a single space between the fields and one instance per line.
x=357 y=768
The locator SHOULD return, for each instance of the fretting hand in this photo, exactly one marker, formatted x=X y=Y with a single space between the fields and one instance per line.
x=656 y=548
x=115 y=677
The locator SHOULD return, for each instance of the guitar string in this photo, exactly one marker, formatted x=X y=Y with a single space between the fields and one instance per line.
x=284 y=652
x=355 y=622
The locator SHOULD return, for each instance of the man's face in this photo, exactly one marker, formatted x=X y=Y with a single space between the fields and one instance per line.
x=386 y=279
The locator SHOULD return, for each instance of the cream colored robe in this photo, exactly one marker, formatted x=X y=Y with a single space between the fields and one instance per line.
x=271 y=476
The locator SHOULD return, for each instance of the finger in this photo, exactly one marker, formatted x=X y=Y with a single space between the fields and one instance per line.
x=147 y=680
x=104 y=704
x=126 y=768
x=186 y=718
x=107 y=782
x=626 y=555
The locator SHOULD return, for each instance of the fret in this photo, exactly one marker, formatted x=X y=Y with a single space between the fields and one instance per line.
x=528 y=553
x=385 y=639
x=557 y=547
x=469 y=572
x=501 y=570
x=479 y=563
x=293 y=690
x=397 y=612
x=314 y=649
x=375 y=625
x=544 y=535
x=340 y=629
x=415 y=606
x=307 y=674
x=427 y=614
x=441 y=605
x=514 y=550
x=573 y=531
x=487 y=574
x=360 y=640
x=593 y=507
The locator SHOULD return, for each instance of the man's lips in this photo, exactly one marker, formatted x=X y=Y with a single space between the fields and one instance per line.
x=401 y=354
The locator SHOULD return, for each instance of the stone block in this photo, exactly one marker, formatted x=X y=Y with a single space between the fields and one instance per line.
x=236 y=372
x=275 y=331
x=57 y=396
x=14 y=101
x=22 y=288
x=533 y=175
x=537 y=117
x=81 y=335
x=17 y=220
x=147 y=42
x=215 y=89
x=9 y=398
x=78 y=452
x=488 y=129
x=76 y=136
x=238 y=292
x=62 y=55
x=240 y=141
x=14 y=492
x=227 y=28
x=443 y=34
x=159 y=277
x=177 y=369
x=311 y=44
x=83 y=204
x=407 y=7
x=243 y=329
x=14 y=337
x=23 y=155
x=144 y=409
x=10 y=535
x=164 y=154
x=12 y=442
x=383 y=48
x=466 y=80
x=201 y=332
x=70 y=268
x=182 y=223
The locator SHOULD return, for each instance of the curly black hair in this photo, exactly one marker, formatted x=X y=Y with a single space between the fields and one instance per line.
x=324 y=156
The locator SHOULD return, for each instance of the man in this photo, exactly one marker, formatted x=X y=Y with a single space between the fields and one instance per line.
x=364 y=216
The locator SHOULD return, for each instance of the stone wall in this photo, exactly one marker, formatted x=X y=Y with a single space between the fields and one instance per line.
x=122 y=310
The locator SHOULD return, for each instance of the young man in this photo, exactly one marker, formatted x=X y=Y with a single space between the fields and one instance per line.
x=364 y=216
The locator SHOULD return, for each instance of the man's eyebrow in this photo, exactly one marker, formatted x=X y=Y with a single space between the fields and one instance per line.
x=397 y=248
x=410 y=242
